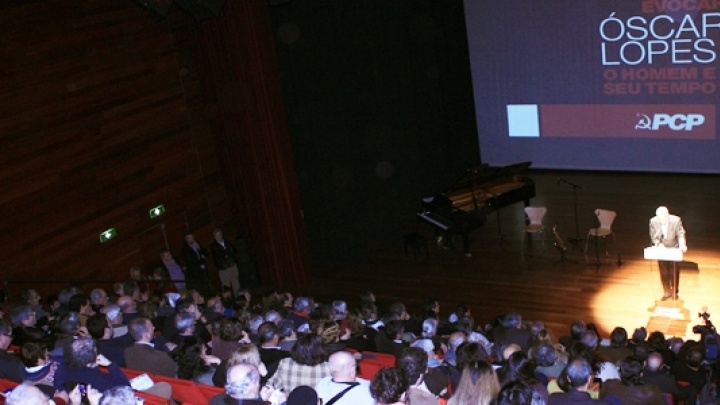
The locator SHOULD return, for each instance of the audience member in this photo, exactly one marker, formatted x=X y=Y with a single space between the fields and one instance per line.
x=10 y=364
x=303 y=395
x=195 y=257
x=343 y=386
x=80 y=304
x=270 y=352
x=39 y=369
x=28 y=394
x=224 y=256
x=389 y=387
x=576 y=332
x=689 y=369
x=243 y=387
x=120 y=395
x=143 y=355
x=413 y=362
x=546 y=361
x=657 y=374
x=618 y=349
x=247 y=353
x=518 y=368
x=128 y=306
x=193 y=362
x=389 y=338
x=109 y=346
x=115 y=316
x=174 y=269
x=512 y=331
x=32 y=298
x=25 y=329
x=300 y=316
x=630 y=388
x=81 y=365
x=478 y=384
x=307 y=365
x=98 y=299
x=577 y=381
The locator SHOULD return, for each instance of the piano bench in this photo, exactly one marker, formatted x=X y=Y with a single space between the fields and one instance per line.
x=415 y=242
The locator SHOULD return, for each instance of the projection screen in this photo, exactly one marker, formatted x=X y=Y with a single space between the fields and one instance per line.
x=597 y=85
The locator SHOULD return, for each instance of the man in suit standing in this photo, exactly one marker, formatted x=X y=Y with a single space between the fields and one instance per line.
x=667 y=230
x=224 y=255
x=195 y=257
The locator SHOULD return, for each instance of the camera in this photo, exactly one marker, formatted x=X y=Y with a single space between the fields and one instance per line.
x=707 y=326
x=709 y=336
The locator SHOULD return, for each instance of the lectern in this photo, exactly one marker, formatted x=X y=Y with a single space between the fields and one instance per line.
x=663 y=253
x=666 y=254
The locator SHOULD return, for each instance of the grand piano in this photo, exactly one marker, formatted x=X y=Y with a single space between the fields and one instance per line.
x=466 y=204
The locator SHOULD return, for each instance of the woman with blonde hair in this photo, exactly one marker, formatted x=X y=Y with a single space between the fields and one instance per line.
x=246 y=353
x=479 y=385
x=330 y=331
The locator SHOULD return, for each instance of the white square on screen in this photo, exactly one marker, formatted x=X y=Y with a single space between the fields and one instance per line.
x=523 y=120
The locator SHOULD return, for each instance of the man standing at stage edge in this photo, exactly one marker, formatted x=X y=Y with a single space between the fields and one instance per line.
x=667 y=230
x=224 y=254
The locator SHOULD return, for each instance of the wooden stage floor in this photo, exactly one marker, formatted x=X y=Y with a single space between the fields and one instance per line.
x=525 y=275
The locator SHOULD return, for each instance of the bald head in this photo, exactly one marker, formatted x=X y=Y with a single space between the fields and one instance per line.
x=510 y=349
x=662 y=212
x=654 y=361
x=342 y=366
x=243 y=381
x=456 y=339
x=26 y=394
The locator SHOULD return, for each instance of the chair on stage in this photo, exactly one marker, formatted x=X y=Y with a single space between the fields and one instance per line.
x=605 y=221
x=535 y=217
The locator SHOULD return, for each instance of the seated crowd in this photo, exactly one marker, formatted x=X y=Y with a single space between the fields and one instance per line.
x=298 y=351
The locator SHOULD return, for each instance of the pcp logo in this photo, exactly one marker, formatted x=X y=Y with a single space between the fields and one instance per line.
x=676 y=122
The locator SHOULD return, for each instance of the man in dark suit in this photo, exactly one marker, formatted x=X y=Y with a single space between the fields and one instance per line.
x=224 y=255
x=667 y=230
x=511 y=330
x=143 y=355
x=657 y=374
x=111 y=347
x=270 y=353
x=579 y=377
x=195 y=257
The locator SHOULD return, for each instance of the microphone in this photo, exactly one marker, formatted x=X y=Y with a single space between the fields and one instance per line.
x=658 y=235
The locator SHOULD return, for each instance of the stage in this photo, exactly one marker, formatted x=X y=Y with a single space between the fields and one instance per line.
x=525 y=273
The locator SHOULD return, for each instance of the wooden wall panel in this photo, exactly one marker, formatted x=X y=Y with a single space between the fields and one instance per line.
x=99 y=122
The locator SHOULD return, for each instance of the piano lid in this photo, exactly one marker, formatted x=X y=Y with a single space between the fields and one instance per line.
x=484 y=173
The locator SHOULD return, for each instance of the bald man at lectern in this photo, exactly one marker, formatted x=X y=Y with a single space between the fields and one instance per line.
x=667 y=230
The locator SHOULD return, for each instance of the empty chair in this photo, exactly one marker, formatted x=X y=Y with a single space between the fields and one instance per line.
x=535 y=217
x=605 y=221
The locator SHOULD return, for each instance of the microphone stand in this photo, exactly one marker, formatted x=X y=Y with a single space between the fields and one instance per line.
x=500 y=238
x=575 y=187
